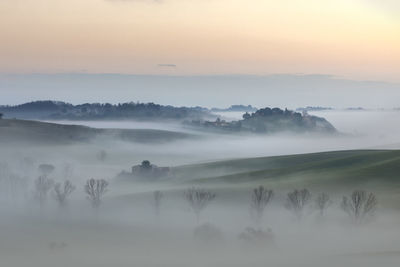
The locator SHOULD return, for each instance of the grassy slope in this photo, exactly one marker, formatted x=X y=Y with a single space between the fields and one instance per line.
x=340 y=171
x=12 y=130
x=336 y=173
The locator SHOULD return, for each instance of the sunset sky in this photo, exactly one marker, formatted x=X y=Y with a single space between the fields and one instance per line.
x=357 y=39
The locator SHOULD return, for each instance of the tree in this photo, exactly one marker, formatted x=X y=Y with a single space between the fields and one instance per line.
x=46 y=169
x=95 y=189
x=259 y=200
x=146 y=164
x=158 y=195
x=297 y=200
x=102 y=155
x=14 y=186
x=246 y=116
x=322 y=202
x=198 y=199
x=63 y=191
x=1 y=116
x=42 y=186
x=359 y=205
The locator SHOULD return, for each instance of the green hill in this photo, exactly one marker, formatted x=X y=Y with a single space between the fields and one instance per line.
x=25 y=131
x=340 y=171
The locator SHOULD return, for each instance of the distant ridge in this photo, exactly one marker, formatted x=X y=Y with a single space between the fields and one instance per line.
x=58 y=110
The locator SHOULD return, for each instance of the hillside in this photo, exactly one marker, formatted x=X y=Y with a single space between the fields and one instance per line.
x=376 y=170
x=25 y=131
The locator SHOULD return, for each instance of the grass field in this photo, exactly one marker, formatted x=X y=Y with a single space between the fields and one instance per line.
x=336 y=172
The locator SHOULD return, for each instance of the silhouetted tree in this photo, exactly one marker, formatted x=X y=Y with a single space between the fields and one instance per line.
x=259 y=200
x=1 y=116
x=42 y=186
x=95 y=189
x=62 y=192
x=15 y=185
x=359 y=205
x=198 y=199
x=158 y=195
x=322 y=202
x=297 y=200
x=102 y=155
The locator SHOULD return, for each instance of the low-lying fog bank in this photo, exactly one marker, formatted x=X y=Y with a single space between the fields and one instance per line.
x=131 y=231
x=130 y=227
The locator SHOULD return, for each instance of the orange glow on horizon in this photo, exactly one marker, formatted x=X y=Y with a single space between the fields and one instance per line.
x=352 y=38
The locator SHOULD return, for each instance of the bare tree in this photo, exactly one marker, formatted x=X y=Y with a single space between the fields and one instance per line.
x=259 y=200
x=198 y=199
x=63 y=191
x=11 y=184
x=322 y=202
x=359 y=205
x=15 y=186
x=95 y=189
x=42 y=186
x=297 y=200
x=102 y=155
x=158 y=195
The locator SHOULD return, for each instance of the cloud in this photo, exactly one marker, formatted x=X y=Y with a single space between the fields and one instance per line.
x=167 y=65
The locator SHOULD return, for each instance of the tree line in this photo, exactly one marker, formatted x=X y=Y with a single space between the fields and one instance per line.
x=359 y=205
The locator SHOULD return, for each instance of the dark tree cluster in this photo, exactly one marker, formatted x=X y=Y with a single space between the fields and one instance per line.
x=62 y=110
x=269 y=120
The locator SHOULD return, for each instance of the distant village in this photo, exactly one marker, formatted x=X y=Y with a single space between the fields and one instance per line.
x=268 y=120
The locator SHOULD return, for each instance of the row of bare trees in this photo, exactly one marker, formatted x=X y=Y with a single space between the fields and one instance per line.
x=359 y=205
x=94 y=190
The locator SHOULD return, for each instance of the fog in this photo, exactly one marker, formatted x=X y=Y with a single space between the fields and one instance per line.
x=357 y=130
x=127 y=230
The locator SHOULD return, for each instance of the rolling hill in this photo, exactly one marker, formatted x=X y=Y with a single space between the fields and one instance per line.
x=335 y=172
x=25 y=131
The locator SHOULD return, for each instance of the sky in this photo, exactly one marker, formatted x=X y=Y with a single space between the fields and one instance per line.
x=283 y=90
x=352 y=39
